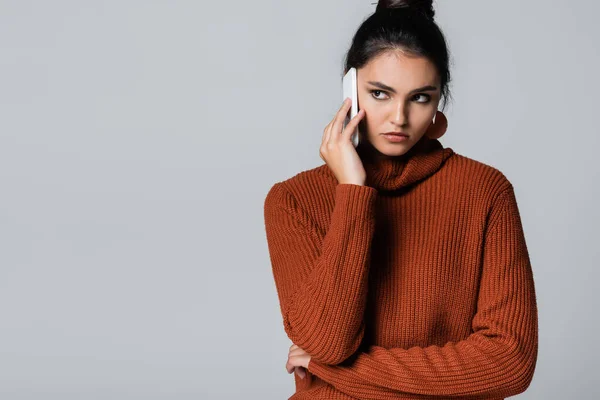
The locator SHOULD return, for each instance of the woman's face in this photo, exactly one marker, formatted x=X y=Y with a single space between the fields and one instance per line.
x=395 y=90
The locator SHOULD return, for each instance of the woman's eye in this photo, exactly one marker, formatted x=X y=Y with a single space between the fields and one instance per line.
x=426 y=96
x=376 y=91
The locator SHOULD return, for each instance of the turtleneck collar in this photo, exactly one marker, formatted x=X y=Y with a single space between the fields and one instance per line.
x=395 y=172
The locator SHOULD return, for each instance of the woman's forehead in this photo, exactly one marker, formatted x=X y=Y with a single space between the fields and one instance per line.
x=400 y=71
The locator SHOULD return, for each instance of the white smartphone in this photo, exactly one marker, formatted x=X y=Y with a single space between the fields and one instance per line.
x=350 y=89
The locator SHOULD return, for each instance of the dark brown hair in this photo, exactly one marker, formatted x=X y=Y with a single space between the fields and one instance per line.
x=406 y=25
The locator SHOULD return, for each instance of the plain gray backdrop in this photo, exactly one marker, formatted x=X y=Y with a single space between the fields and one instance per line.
x=138 y=140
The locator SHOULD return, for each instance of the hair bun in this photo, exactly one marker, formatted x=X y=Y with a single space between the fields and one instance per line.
x=424 y=6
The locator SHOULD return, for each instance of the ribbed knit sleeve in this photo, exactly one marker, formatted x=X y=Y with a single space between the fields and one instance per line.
x=496 y=360
x=321 y=279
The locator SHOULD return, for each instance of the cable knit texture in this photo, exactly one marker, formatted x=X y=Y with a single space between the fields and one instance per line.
x=417 y=285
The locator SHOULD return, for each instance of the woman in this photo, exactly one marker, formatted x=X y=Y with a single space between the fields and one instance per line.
x=401 y=266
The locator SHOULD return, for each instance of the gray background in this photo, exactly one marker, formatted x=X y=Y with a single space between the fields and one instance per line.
x=138 y=140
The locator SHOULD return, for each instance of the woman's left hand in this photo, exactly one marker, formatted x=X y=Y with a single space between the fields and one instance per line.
x=298 y=360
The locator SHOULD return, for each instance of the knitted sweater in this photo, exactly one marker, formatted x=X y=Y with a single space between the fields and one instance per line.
x=417 y=285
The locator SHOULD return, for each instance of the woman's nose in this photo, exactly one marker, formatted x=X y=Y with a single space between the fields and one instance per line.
x=401 y=114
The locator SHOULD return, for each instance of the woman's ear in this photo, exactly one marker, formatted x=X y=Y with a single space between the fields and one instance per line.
x=437 y=129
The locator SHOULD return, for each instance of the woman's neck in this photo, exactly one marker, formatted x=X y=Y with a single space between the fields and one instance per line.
x=389 y=173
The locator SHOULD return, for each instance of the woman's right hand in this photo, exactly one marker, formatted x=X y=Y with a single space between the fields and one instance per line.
x=337 y=149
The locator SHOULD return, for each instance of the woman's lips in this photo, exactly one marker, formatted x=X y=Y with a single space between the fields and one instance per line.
x=396 y=133
x=394 y=137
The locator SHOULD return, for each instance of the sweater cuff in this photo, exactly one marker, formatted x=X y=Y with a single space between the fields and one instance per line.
x=356 y=199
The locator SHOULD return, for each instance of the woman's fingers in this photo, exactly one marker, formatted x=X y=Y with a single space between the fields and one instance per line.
x=333 y=128
x=301 y=372
x=336 y=127
x=350 y=128
x=297 y=357
x=337 y=149
x=324 y=140
x=289 y=367
x=297 y=351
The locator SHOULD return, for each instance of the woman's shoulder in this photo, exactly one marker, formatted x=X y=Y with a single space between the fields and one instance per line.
x=476 y=174
x=305 y=188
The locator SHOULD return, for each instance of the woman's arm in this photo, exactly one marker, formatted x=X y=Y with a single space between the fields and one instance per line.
x=321 y=279
x=497 y=360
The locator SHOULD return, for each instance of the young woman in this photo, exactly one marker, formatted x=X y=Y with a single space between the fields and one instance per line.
x=401 y=266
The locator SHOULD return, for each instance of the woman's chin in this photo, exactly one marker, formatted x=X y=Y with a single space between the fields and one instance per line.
x=392 y=149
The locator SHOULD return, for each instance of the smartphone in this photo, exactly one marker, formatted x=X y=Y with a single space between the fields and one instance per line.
x=350 y=89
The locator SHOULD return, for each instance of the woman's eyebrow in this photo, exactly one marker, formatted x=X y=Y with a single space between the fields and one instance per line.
x=391 y=89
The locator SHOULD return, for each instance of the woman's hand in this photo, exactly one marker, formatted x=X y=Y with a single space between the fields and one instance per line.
x=337 y=149
x=297 y=361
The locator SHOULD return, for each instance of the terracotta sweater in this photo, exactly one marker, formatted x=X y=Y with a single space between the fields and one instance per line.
x=417 y=285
